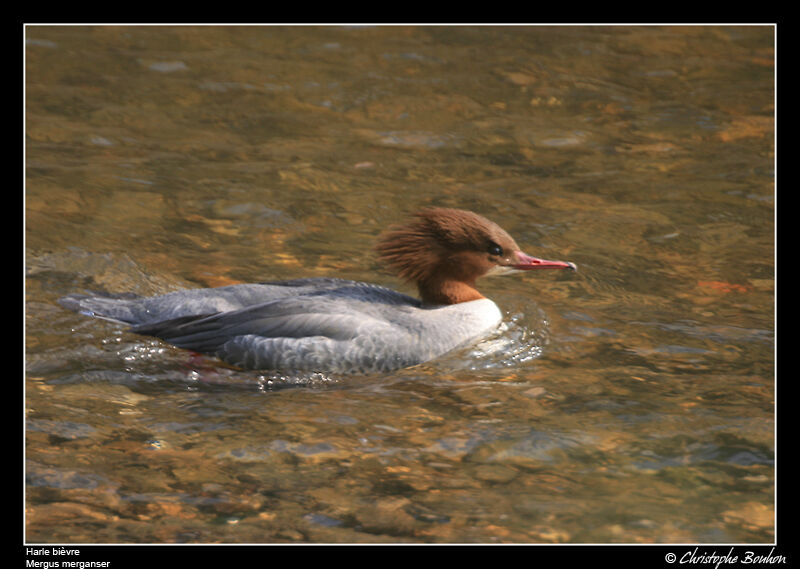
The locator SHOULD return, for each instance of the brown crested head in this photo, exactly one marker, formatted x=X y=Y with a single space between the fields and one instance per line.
x=442 y=246
x=445 y=250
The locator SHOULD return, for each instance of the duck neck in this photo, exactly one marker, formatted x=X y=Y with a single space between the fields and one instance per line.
x=447 y=291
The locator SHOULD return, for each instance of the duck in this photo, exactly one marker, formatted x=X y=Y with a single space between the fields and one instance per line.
x=333 y=325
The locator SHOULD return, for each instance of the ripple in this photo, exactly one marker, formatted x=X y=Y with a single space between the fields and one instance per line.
x=519 y=340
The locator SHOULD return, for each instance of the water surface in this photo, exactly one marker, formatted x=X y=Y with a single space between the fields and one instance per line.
x=632 y=402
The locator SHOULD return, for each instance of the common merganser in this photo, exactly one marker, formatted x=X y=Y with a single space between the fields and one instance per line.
x=341 y=326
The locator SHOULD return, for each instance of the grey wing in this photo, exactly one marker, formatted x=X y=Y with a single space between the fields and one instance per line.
x=206 y=332
x=280 y=334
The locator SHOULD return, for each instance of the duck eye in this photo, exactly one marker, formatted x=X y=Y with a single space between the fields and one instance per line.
x=495 y=249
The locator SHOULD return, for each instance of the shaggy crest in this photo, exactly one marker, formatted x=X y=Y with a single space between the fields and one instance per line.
x=434 y=239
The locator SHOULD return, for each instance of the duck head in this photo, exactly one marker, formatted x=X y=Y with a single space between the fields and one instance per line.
x=444 y=251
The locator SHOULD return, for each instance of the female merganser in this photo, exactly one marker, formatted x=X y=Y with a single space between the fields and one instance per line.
x=336 y=325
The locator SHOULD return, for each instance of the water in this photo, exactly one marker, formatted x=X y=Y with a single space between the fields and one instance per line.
x=631 y=402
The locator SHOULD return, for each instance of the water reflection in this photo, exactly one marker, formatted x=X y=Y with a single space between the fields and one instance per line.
x=632 y=403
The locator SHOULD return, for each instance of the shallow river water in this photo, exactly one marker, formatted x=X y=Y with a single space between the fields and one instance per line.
x=630 y=402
